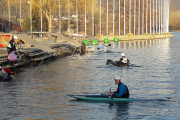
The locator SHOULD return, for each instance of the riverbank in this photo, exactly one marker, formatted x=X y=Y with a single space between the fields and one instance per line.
x=32 y=56
x=127 y=37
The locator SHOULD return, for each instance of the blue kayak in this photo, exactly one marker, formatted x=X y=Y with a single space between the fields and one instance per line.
x=106 y=98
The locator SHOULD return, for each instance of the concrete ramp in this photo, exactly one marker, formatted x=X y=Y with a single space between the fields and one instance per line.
x=26 y=38
x=66 y=38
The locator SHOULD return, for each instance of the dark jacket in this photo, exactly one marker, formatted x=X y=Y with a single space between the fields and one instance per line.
x=124 y=60
x=122 y=91
x=11 y=46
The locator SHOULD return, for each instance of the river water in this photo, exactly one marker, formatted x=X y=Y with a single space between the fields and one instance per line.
x=41 y=93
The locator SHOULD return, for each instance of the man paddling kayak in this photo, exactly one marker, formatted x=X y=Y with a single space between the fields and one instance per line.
x=123 y=59
x=5 y=74
x=122 y=90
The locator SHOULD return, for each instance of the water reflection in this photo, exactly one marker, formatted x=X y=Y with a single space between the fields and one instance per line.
x=120 y=110
x=141 y=43
x=42 y=93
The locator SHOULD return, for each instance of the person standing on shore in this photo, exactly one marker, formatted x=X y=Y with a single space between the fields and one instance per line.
x=11 y=45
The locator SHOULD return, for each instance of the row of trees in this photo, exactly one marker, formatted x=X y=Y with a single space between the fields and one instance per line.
x=174 y=17
x=50 y=10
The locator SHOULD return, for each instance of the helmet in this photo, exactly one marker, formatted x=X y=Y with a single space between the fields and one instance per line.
x=117 y=78
x=122 y=54
x=15 y=37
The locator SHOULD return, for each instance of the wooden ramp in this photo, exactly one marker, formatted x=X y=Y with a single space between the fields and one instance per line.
x=66 y=38
x=26 y=38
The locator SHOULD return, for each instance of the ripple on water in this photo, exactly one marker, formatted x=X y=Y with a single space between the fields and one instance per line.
x=42 y=93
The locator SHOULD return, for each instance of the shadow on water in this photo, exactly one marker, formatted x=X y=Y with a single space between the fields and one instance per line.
x=121 y=110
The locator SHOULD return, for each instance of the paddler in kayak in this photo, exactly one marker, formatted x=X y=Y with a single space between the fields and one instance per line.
x=5 y=74
x=123 y=59
x=122 y=90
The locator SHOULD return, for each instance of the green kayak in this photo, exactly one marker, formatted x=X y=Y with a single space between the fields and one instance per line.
x=106 y=98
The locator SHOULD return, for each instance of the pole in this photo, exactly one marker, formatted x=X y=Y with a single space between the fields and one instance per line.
x=68 y=20
x=92 y=17
x=31 y=19
x=41 y=15
x=100 y=17
x=51 y=25
x=107 y=21
x=139 y=20
x=9 y=13
x=60 y=16
x=2 y=15
x=168 y=15
x=20 y=13
x=130 y=16
x=85 y=17
x=143 y=19
x=124 y=17
x=119 y=17
x=153 y=16
x=150 y=18
x=113 y=14
x=146 y=14
x=159 y=17
x=134 y=17
x=156 y=16
x=164 y=16
x=77 y=17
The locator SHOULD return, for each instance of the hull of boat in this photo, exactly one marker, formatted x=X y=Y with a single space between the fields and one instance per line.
x=106 y=98
x=5 y=79
x=115 y=63
x=111 y=62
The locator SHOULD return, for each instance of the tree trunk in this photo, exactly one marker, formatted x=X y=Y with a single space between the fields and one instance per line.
x=50 y=24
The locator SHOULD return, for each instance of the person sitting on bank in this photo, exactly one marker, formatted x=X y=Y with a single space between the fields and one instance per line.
x=11 y=46
x=122 y=90
x=123 y=59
